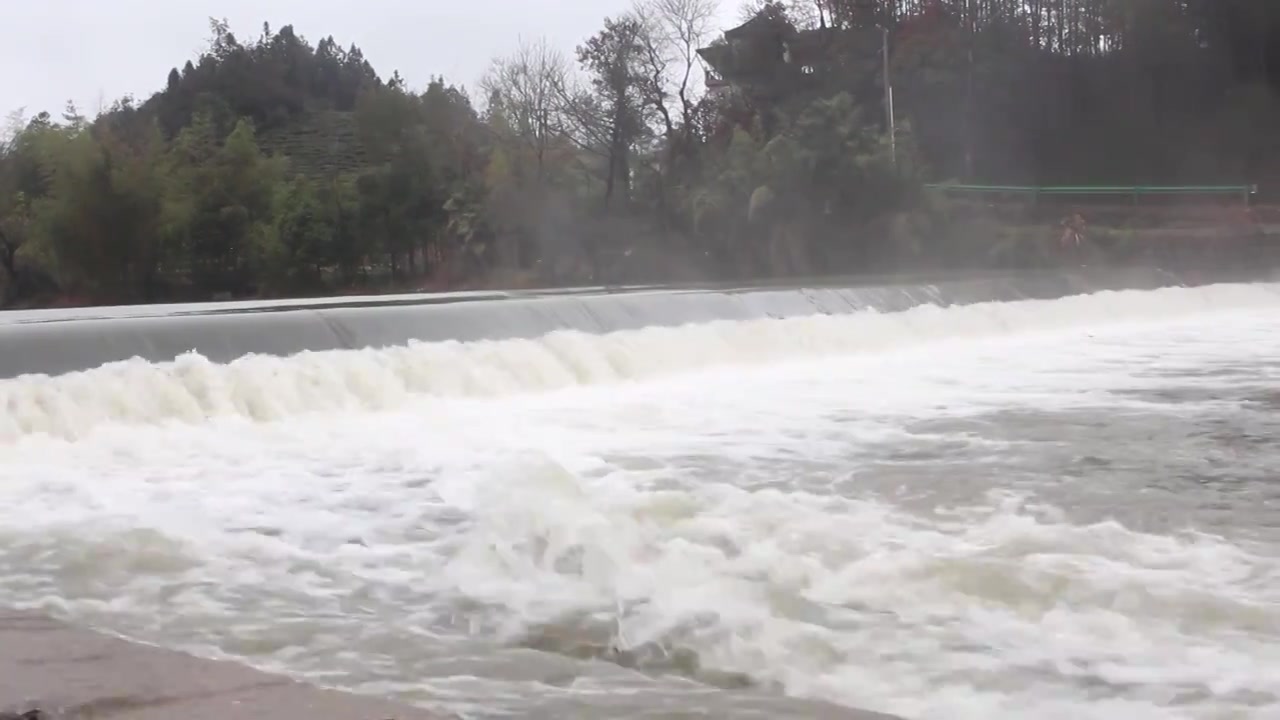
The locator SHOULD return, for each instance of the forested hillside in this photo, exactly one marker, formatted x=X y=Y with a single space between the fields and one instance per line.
x=278 y=166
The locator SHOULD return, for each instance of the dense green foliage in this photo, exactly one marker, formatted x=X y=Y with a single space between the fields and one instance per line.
x=277 y=167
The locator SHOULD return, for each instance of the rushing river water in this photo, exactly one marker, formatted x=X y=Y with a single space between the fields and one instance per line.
x=1064 y=509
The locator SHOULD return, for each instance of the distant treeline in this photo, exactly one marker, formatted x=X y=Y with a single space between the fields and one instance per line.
x=275 y=166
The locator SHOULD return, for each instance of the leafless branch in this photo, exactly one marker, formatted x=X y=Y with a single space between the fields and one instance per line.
x=525 y=86
x=674 y=31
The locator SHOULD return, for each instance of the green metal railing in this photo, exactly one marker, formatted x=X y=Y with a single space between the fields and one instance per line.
x=1245 y=191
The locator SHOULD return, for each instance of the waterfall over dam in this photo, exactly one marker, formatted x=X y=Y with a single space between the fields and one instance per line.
x=991 y=497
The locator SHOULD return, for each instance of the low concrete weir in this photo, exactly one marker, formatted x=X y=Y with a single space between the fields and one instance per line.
x=55 y=342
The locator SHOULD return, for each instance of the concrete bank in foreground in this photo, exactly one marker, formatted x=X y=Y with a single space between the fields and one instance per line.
x=53 y=342
x=53 y=671
x=50 y=670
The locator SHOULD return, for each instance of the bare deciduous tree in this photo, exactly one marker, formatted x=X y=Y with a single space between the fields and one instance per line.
x=527 y=88
x=675 y=30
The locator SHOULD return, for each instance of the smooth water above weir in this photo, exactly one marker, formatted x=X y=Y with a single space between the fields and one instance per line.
x=921 y=500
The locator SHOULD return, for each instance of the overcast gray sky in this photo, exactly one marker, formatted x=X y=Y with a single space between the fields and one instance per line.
x=94 y=51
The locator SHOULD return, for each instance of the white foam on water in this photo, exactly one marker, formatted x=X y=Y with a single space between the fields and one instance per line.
x=192 y=389
x=746 y=513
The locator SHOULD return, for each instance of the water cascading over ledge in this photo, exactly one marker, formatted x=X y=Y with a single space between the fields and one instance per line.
x=53 y=342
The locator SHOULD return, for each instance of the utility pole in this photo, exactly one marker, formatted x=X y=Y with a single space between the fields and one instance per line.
x=888 y=96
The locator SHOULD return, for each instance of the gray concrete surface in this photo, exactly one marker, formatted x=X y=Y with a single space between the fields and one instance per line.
x=70 y=673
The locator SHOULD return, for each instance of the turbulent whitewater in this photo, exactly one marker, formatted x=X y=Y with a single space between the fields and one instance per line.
x=1040 y=509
